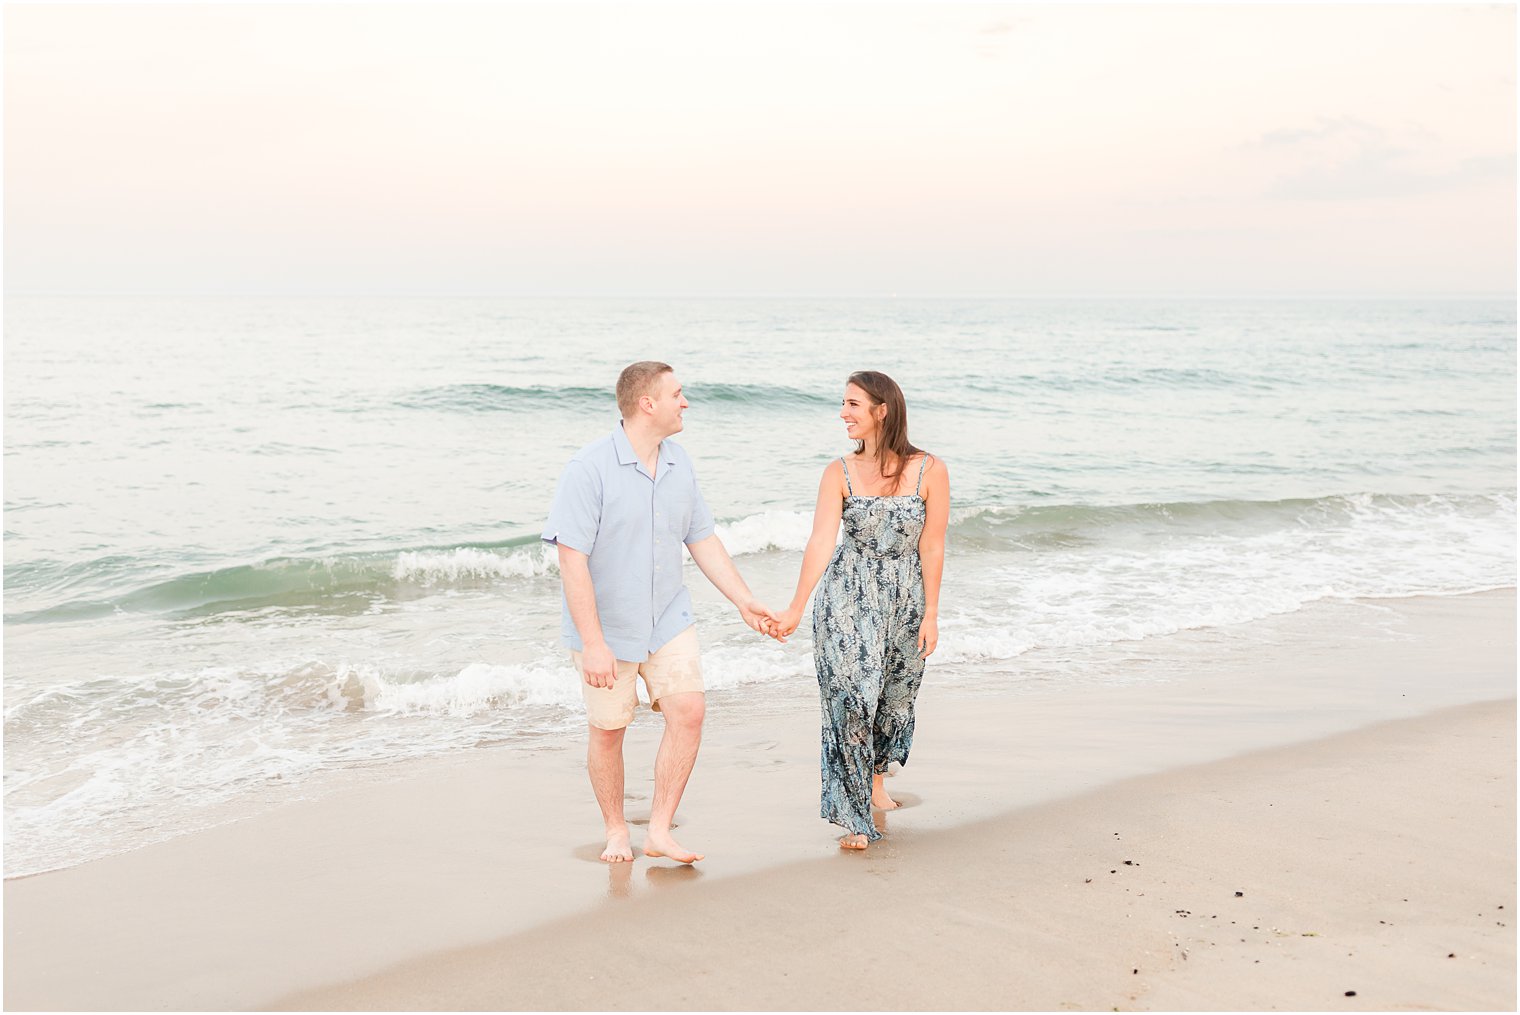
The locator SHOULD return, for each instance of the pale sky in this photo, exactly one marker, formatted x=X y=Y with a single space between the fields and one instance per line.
x=760 y=149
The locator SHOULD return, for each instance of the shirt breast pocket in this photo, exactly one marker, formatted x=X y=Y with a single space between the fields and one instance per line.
x=674 y=515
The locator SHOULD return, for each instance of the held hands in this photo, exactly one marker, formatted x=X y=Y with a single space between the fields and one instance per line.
x=781 y=625
x=760 y=619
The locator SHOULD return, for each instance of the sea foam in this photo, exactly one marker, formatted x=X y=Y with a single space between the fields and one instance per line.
x=435 y=567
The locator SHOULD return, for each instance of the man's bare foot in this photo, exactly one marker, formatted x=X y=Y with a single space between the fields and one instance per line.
x=656 y=844
x=853 y=842
x=618 y=850
x=879 y=798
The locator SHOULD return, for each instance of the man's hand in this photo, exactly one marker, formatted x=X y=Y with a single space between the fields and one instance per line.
x=760 y=619
x=598 y=665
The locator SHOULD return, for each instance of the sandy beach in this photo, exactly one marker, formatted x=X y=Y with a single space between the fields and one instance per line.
x=1315 y=811
x=1322 y=876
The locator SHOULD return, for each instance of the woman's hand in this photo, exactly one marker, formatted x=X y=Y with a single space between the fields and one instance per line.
x=928 y=636
x=758 y=618
x=787 y=620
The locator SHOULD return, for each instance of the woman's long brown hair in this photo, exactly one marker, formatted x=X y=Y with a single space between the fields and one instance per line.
x=892 y=447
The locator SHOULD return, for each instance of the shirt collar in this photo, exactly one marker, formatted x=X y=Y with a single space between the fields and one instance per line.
x=625 y=452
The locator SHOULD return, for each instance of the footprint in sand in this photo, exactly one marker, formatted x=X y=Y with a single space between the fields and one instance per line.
x=662 y=877
x=904 y=800
x=758 y=754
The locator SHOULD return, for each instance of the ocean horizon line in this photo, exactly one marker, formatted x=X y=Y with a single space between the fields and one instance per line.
x=1266 y=296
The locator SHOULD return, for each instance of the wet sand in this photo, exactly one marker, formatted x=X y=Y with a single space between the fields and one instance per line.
x=472 y=882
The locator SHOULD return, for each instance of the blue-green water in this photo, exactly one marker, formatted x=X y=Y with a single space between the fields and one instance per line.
x=248 y=540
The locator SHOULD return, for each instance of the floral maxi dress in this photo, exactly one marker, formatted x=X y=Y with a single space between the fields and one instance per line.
x=866 y=616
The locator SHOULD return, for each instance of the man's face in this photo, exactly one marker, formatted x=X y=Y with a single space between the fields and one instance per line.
x=669 y=403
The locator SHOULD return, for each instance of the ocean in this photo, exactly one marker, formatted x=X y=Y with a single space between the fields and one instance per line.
x=251 y=541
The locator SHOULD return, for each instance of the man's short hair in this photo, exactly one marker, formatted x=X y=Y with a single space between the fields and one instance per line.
x=636 y=381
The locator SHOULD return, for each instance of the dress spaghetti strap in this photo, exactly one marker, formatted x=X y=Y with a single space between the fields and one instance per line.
x=922 y=465
x=846 y=466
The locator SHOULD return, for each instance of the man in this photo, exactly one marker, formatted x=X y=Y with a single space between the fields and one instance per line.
x=625 y=505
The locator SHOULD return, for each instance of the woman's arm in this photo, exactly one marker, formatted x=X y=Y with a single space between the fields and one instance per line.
x=820 y=547
x=931 y=550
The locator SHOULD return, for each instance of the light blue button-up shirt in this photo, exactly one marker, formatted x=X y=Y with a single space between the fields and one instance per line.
x=631 y=526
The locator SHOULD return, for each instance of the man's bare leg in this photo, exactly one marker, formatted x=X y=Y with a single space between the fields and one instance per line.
x=879 y=798
x=604 y=762
x=672 y=767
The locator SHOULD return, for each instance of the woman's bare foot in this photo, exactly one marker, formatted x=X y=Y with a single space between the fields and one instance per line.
x=661 y=844
x=879 y=798
x=618 y=850
x=853 y=842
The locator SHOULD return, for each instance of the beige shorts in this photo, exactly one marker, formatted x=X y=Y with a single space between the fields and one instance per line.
x=675 y=668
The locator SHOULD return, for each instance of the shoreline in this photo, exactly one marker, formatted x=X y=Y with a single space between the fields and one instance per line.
x=1101 y=668
x=456 y=851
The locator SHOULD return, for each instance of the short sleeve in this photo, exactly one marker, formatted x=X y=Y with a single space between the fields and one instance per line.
x=701 y=525
x=576 y=513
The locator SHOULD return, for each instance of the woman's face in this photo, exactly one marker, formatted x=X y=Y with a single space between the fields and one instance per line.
x=862 y=420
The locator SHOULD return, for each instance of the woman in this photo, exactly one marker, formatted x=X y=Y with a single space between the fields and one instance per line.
x=876 y=619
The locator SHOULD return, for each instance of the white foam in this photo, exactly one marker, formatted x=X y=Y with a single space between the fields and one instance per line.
x=141 y=753
x=768 y=530
x=433 y=567
x=729 y=666
x=479 y=687
x=112 y=762
x=1156 y=583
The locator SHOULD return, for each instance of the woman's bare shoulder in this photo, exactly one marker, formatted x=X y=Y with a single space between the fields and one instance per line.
x=936 y=479
x=833 y=473
x=932 y=462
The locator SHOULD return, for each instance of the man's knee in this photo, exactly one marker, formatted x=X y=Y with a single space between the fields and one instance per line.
x=606 y=741
x=685 y=710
